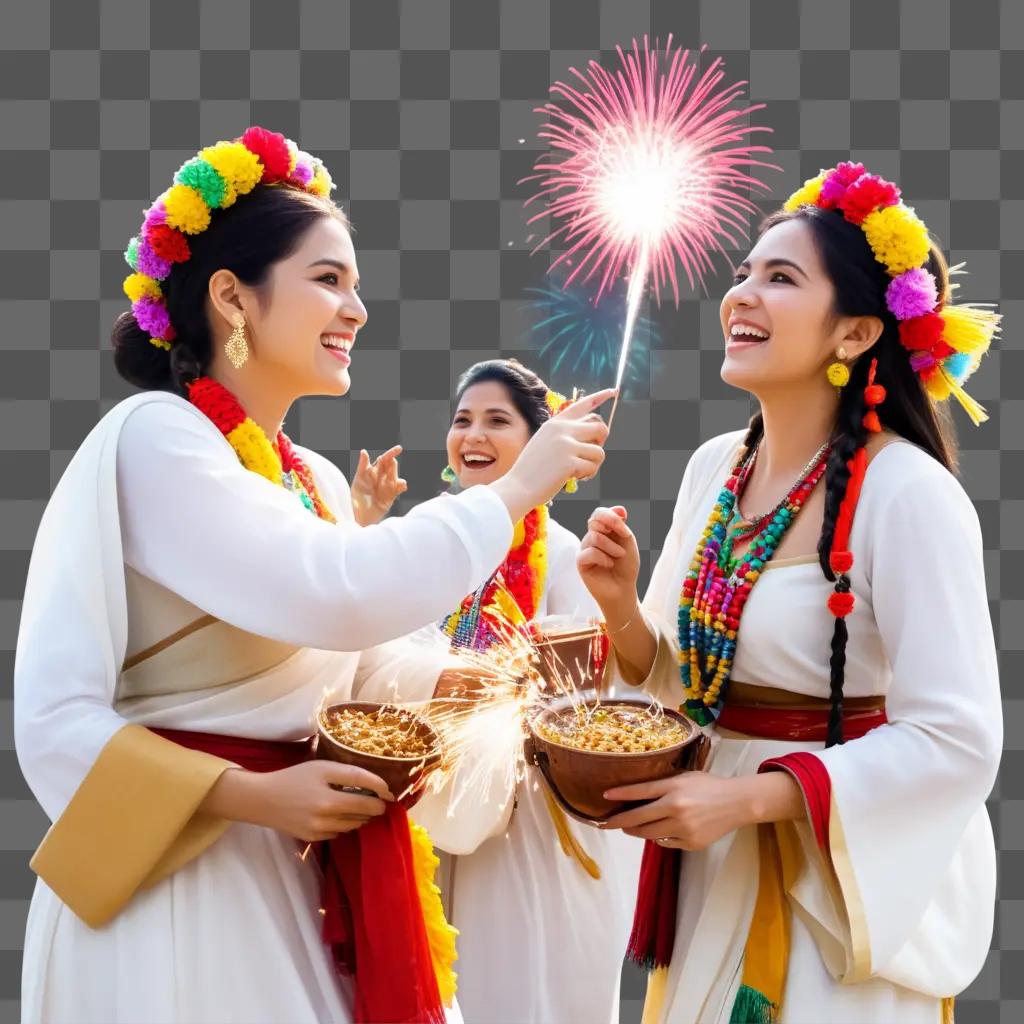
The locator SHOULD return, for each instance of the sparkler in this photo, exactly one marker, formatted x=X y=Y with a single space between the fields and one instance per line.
x=647 y=169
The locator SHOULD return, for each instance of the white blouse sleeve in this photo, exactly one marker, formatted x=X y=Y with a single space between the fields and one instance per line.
x=197 y=522
x=911 y=841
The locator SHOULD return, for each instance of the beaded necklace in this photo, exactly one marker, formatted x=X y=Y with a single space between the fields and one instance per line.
x=512 y=595
x=279 y=464
x=717 y=585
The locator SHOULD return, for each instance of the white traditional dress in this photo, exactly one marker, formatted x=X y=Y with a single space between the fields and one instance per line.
x=540 y=940
x=171 y=587
x=900 y=915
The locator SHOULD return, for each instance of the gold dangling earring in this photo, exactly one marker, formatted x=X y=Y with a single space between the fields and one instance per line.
x=838 y=372
x=236 y=348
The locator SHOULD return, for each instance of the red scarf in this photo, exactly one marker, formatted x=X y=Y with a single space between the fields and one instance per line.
x=372 y=917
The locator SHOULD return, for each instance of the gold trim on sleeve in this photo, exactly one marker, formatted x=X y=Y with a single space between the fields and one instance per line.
x=131 y=822
x=842 y=863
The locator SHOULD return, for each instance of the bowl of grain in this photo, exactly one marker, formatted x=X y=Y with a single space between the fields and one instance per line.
x=395 y=743
x=583 y=748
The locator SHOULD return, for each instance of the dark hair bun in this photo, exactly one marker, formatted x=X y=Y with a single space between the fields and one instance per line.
x=136 y=358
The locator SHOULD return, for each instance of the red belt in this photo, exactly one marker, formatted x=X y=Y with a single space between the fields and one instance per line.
x=372 y=916
x=798 y=724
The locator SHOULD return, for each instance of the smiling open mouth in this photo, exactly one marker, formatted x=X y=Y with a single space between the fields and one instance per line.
x=746 y=334
x=474 y=461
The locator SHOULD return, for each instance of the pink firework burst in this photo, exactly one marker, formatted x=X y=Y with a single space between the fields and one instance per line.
x=647 y=167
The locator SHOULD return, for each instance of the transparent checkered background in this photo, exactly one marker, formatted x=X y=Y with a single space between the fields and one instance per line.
x=419 y=107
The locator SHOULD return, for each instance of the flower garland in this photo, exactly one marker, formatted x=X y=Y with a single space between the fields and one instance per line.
x=441 y=935
x=282 y=466
x=946 y=342
x=717 y=586
x=511 y=597
x=212 y=180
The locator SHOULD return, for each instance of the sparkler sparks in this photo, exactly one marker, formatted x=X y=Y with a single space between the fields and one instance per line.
x=648 y=167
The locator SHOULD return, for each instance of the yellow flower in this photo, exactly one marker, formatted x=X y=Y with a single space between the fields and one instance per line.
x=239 y=168
x=898 y=238
x=440 y=934
x=321 y=183
x=254 y=451
x=806 y=195
x=186 y=210
x=838 y=375
x=137 y=286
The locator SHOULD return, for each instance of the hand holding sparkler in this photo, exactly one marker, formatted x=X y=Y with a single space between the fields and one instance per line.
x=569 y=445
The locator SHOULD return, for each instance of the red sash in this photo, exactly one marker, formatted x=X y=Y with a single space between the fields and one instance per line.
x=654 y=920
x=372 y=917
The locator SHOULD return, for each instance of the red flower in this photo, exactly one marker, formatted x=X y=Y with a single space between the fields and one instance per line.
x=168 y=243
x=272 y=150
x=841 y=561
x=840 y=605
x=922 y=333
x=867 y=194
x=874 y=394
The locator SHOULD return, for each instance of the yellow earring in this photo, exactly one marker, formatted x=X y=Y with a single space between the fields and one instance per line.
x=236 y=348
x=838 y=372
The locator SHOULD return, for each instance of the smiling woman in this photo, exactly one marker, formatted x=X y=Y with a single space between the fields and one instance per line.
x=505 y=882
x=209 y=587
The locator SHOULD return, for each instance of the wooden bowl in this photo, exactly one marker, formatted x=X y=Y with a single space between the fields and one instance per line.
x=404 y=776
x=573 y=656
x=578 y=779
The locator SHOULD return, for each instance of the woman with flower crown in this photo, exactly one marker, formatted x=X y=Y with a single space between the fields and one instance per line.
x=198 y=584
x=836 y=862
x=542 y=905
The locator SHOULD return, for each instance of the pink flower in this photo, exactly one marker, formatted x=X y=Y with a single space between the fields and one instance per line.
x=152 y=316
x=913 y=293
x=838 y=180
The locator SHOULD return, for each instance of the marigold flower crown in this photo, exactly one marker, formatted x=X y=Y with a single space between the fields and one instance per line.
x=211 y=180
x=946 y=342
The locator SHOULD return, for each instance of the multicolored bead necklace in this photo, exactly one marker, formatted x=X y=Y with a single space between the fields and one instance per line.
x=511 y=597
x=717 y=585
x=280 y=465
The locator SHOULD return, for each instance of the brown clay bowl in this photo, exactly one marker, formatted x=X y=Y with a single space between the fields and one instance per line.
x=578 y=779
x=405 y=776
x=574 y=656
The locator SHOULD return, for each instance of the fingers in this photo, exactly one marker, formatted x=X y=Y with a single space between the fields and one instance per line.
x=642 y=790
x=620 y=511
x=637 y=816
x=364 y=461
x=592 y=558
x=392 y=453
x=587 y=404
x=605 y=520
x=350 y=775
x=604 y=543
x=655 y=830
x=349 y=805
x=401 y=486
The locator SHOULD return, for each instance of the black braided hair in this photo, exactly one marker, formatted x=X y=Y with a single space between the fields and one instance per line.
x=849 y=435
x=860 y=284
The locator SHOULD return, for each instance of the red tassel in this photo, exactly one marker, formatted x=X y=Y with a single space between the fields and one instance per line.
x=654 y=920
x=871 y=422
x=840 y=605
x=841 y=561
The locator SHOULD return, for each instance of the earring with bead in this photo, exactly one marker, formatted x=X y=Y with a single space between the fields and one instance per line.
x=838 y=372
x=448 y=475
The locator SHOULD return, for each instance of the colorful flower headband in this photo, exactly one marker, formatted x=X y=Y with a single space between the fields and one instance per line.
x=213 y=180
x=946 y=342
